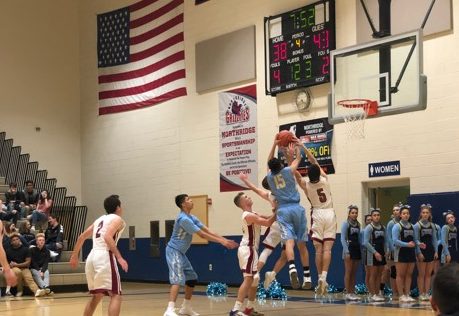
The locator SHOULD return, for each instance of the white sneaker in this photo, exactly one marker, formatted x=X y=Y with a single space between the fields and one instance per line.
x=188 y=311
x=306 y=283
x=402 y=299
x=348 y=297
x=270 y=276
x=409 y=299
x=377 y=298
x=39 y=292
x=355 y=297
x=294 y=279
x=19 y=294
x=323 y=287
x=170 y=312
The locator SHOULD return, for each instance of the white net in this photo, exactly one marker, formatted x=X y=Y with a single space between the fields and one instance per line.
x=355 y=113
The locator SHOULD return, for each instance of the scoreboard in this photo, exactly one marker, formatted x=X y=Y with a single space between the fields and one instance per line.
x=298 y=45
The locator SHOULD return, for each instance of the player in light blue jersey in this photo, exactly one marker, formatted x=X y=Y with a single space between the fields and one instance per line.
x=181 y=273
x=291 y=215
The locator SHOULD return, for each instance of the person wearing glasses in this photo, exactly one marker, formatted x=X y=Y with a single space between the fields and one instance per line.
x=350 y=240
x=374 y=239
x=449 y=239
x=425 y=237
x=404 y=254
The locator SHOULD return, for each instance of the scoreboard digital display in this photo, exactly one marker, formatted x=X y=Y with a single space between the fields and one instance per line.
x=297 y=47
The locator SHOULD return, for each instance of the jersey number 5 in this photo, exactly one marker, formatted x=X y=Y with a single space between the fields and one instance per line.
x=99 y=227
x=322 y=196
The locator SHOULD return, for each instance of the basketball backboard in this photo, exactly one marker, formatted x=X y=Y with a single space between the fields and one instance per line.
x=387 y=70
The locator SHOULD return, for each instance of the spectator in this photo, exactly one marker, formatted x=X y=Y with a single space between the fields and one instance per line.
x=30 y=199
x=14 y=200
x=19 y=259
x=26 y=233
x=39 y=263
x=445 y=290
x=11 y=229
x=41 y=213
x=54 y=237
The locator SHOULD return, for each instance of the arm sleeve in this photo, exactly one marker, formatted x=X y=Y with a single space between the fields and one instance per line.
x=417 y=237
x=344 y=229
x=390 y=244
x=396 y=237
x=197 y=222
x=60 y=234
x=434 y=238
x=189 y=226
x=45 y=262
x=444 y=240
x=366 y=239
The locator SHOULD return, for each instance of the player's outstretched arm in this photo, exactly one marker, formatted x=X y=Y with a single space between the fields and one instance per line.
x=311 y=158
x=264 y=194
x=115 y=226
x=207 y=234
x=273 y=148
x=256 y=219
x=10 y=276
x=76 y=250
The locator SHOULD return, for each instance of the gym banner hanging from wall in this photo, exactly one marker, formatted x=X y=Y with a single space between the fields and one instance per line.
x=317 y=136
x=238 y=137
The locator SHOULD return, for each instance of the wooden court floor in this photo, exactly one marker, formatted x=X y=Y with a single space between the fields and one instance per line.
x=141 y=299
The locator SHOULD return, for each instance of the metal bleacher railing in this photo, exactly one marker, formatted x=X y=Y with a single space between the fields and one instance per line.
x=15 y=167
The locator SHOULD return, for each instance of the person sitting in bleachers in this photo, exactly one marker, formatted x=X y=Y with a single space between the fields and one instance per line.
x=14 y=198
x=40 y=257
x=10 y=229
x=31 y=197
x=19 y=258
x=41 y=213
x=54 y=237
x=26 y=233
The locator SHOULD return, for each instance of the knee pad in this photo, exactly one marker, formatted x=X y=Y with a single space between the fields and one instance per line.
x=191 y=283
x=393 y=272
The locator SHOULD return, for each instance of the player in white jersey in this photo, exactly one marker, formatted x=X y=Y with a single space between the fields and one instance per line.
x=248 y=254
x=101 y=270
x=323 y=217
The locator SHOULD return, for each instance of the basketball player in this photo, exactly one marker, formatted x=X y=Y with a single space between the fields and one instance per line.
x=425 y=237
x=9 y=275
x=323 y=217
x=404 y=254
x=449 y=239
x=290 y=214
x=248 y=254
x=350 y=240
x=376 y=243
x=101 y=270
x=181 y=273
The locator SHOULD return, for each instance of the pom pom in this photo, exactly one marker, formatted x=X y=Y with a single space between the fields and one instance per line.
x=414 y=293
x=332 y=289
x=275 y=292
x=387 y=291
x=216 y=289
x=361 y=289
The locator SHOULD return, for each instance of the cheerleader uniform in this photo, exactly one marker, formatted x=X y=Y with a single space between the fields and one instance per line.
x=375 y=241
x=350 y=240
x=426 y=233
x=449 y=240
x=402 y=234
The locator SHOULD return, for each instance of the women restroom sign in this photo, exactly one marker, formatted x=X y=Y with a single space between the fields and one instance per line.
x=384 y=169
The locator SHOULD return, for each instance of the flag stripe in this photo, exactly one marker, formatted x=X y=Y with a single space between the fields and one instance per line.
x=141 y=4
x=144 y=71
x=149 y=86
x=156 y=31
x=132 y=106
x=155 y=14
x=157 y=48
x=134 y=49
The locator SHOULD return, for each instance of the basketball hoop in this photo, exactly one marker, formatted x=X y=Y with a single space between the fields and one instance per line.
x=355 y=112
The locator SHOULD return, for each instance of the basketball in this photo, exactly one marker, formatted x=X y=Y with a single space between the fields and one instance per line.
x=285 y=137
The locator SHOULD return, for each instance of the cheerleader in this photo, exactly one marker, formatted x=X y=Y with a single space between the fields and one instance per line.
x=425 y=237
x=350 y=240
x=390 y=273
x=404 y=254
x=449 y=239
x=376 y=244
x=439 y=248
x=364 y=251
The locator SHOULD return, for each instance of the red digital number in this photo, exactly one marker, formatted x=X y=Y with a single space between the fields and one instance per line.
x=99 y=227
x=325 y=65
x=325 y=39
x=316 y=39
x=276 y=75
x=280 y=51
x=322 y=196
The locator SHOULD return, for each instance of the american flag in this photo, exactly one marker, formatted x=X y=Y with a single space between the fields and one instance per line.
x=141 y=55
